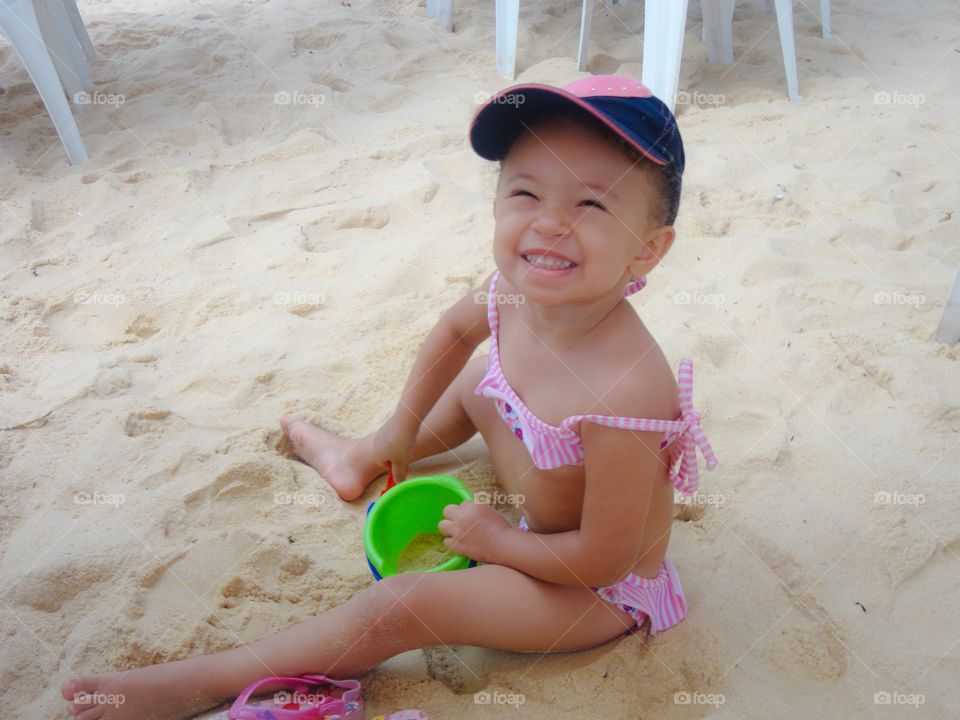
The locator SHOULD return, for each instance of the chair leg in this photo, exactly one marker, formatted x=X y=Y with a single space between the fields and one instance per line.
x=825 y=18
x=718 y=30
x=948 y=330
x=80 y=29
x=508 y=20
x=71 y=44
x=787 y=45
x=663 y=28
x=57 y=50
x=442 y=10
x=18 y=21
x=586 y=20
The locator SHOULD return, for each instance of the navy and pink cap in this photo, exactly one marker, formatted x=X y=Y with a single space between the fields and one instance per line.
x=621 y=103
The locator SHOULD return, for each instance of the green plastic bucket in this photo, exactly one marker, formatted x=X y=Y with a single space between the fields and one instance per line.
x=405 y=510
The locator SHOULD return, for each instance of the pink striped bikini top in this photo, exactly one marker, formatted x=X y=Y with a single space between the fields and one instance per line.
x=553 y=446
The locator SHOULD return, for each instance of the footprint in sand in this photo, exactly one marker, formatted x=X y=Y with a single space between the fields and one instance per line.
x=247 y=483
x=99 y=318
x=186 y=585
x=242 y=493
x=813 y=641
x=271 y=574
x=150 y=421
x=688 y=511
x=143 y=326
x=333 y=82
x=318 y=38
x=336 y=226
x=50 y=586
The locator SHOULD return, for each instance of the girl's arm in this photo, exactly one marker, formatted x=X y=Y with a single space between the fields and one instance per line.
x=446 y=350
x=621 y=468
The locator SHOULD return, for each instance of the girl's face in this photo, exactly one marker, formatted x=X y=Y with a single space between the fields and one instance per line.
x=574 y=197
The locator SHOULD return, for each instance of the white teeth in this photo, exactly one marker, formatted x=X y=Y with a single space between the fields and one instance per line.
x=548 y=262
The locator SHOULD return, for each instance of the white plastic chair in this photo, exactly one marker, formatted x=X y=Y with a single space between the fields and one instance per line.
x=659 y=13
x=80 y=30
x=664 y=23
x=442 y=10
x=824 y=16
x=20 y=25
x=948 y=330
x=718 y=34
x=508 y=20
x=63 y=46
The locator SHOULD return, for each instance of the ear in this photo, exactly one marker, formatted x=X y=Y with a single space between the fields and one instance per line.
x=655 y=246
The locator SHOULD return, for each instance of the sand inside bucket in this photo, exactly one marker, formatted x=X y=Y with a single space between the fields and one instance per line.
x=424 y=551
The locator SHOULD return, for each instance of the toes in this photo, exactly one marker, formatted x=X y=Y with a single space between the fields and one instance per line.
x=79 y=691
x=293 y=428
x=68 y=687
x=94 y=713
x=75 y=707
x=295 y=432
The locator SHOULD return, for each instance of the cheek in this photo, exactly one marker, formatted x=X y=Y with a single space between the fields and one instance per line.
x=608 y=247
x=509 y=223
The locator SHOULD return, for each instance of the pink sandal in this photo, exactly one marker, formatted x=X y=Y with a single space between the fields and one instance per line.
x=344 y=702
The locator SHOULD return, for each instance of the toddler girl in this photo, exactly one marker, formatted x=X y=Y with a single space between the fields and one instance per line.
x=580 y=410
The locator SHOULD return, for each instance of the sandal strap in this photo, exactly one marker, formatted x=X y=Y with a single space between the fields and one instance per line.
x=241 y=711
x=352 y=691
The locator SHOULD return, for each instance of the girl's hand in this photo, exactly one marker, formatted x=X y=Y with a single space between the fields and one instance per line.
x=392 y=446
x=473 y=530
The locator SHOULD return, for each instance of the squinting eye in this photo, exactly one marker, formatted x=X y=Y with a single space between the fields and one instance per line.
x=593 y=203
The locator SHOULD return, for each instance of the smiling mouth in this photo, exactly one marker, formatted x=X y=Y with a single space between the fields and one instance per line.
x=544 y=262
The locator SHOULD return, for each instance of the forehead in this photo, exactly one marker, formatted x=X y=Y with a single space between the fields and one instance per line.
x=560 y=150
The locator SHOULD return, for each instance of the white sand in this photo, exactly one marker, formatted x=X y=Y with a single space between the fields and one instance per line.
x=222 y=259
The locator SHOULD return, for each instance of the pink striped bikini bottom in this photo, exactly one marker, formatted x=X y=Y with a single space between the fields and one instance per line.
x=660 y=598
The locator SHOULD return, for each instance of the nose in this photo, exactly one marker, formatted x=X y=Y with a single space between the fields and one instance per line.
x=551 y=221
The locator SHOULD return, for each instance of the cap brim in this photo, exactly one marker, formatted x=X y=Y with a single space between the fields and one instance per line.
x=499 y=122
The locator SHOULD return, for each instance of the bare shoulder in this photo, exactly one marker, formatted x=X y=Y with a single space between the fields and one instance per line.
x=635 y=377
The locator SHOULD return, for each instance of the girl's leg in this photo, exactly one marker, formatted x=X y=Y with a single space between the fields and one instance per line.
x=347 y=464
x=341 y=642
x=489 y=606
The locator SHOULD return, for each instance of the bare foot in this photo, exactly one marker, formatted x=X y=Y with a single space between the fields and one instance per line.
x=342 y=462
x=158 y=692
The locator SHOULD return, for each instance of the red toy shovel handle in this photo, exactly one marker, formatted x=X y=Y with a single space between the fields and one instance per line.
x=390 y=481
